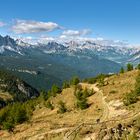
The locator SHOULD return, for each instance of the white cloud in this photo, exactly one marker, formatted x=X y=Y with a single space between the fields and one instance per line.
x=2 y=24
x=46 y=39
x=71 y=33
x=76 y=33
x=25 y=26
x=62 y=36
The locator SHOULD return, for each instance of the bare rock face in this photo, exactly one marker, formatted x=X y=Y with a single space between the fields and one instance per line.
x=21 y=87
x=27 y=90
x=20 y=90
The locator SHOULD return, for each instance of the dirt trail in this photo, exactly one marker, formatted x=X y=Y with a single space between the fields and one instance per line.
x=105 y=105
x=105 y=117
x=108 y=112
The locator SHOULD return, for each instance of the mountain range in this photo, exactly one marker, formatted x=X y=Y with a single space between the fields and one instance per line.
x=42 y=64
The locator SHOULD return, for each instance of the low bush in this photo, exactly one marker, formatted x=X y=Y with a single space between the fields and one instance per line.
x=62 y=107
x=82 y=104
x=112 y=91
x=130 y=98
x=49 y=105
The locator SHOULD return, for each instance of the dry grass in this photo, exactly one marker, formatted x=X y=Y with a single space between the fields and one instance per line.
x=48 y=124
x=120 y=84
x=5 y=96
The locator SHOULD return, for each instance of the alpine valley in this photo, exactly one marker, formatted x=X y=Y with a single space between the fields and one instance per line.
x=43 y=64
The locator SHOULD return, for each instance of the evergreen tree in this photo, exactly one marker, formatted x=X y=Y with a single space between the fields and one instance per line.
x=122 y=70
x=55 y=90
x=49 y=105
x=8 y=126
x=137 y=85
x=65 y=85
x=130 y=98
x=62 y=107
x=43 y=95
x=129 y=67
x=138 y=66
x=75 y=81
x=82 y=104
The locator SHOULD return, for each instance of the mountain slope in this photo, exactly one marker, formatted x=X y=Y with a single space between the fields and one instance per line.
x=105 y=104
x=52 y=62
x=17 y=89
x=135 y=58
x=42 y=65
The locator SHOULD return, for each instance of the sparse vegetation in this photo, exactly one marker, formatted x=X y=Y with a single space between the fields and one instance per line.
x=62 y=107
x=14 y=114
x=129 y=67
x=122 y=70
x=137 y=85
x=112 y=91
x=81 y=97
x=132 y=97
x=54 y=91
x=99 y=78
x=132 y=136
x=138 y=67
x=49 y=105
x=74 y=100
x=65 y=84
x=74 y=81
x=82 y=103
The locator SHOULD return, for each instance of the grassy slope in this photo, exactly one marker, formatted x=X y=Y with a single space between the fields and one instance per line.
x=50 y=125
x=5 y=96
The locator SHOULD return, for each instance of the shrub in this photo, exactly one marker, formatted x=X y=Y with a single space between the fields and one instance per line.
x=8 y=126
x=15 y=114
x=62 y=107
x=130 y=98
x=79 y=94
x=137 y=85
x=99 y=78
x=81 y=97
x=112 y=91
x=137 y=123
x=138 y=67
x=91 y=80
x=82 y=104
x=88 y=93
x=65 y=85
x=132 y=136
x=122 y=70
x=49 y=105
x=54 y=91
x=20 y=115
x=129 y=67
x=74 y=81
x=43 y=95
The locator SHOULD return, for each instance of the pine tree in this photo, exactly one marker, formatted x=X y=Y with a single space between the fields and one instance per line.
x=122 y=70
x=65 y=85
x=62 y=107
x=138 y=66
x=129 y=67
x=75 y=81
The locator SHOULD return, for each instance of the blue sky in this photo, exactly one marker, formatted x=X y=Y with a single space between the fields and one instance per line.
x=109 y=19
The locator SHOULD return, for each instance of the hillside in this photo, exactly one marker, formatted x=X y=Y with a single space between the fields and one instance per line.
x=106 y=116
x=13 y=89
